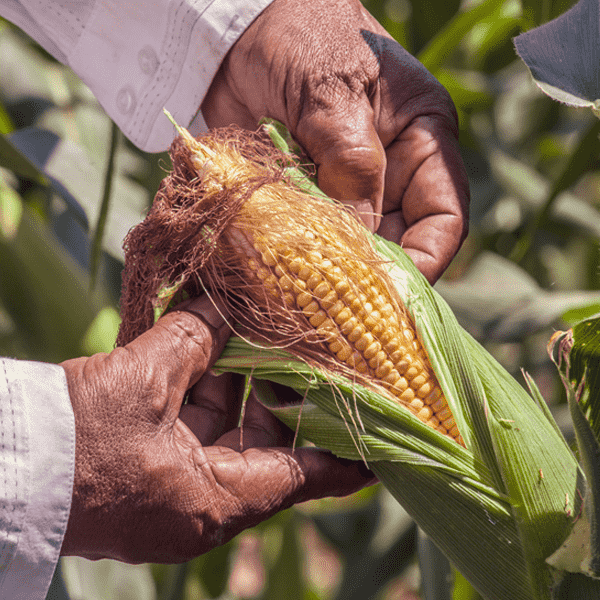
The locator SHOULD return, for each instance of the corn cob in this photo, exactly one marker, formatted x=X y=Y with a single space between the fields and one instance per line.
x=306 y=273
x=353 y=315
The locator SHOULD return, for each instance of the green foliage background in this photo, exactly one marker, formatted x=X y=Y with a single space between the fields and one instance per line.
x=530 y=265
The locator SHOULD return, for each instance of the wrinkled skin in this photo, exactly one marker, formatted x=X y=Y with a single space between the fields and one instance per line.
x=156 y=481
x=381 y=130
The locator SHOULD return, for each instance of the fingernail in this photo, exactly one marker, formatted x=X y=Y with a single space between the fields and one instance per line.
x=364 y=211
x=209 y=310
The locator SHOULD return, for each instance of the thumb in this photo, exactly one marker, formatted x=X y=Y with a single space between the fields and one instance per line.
x=342 y=141
x=183 y=345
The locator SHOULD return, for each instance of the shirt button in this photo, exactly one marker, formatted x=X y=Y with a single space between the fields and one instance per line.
x=148 y=60
x=125 y=100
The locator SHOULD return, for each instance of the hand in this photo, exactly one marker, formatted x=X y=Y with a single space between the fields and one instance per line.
x=381 y=130
x=156 y=481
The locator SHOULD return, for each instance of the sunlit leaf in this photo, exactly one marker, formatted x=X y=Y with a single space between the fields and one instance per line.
x=102 y=332
x=452 y=34
x=11 y=210
x=6 y=124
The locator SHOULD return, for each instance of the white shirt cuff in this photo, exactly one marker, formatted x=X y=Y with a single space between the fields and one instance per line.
x=37 y=463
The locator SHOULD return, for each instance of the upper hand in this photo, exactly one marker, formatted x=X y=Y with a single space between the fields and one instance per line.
x=381 y=130
x=156 y=481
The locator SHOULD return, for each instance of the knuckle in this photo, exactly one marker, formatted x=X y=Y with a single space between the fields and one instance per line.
x=189 y=335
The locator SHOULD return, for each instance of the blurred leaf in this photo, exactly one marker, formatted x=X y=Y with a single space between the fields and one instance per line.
x=583 y=158
x=469 y=89
x=6 y=124
x=576 y=586
x=563 y=55
x=102 y=332
x=79 y=183
x=11 y=211
x=523 y=182
x=453 y=33
x=488 y=43
x=463 y=590
x=19 y=163
x=213 y=569
x=428 y=17
x=45 y=292
x=497 y=300
x=284 y=579
x=107 y=580
x=537 y=12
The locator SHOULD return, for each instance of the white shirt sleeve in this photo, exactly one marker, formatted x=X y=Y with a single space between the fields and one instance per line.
x=37 y=464
x=140 y=57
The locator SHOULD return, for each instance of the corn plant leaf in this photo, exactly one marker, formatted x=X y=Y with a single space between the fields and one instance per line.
x=585 y=367
x=167 y=297
x=430 y=482
x=282 y=140
x=576 y=354
x=563 y=55
x=517 y=447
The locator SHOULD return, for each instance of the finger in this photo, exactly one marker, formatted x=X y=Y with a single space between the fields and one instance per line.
x=221 y=107
x=259 y=482
x=213 y=406
x=427 y=178
x=339 y=135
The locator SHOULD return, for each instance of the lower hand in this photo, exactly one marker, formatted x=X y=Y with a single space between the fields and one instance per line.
x=156 y=481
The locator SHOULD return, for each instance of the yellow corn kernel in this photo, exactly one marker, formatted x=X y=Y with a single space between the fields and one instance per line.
x=351 y=314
